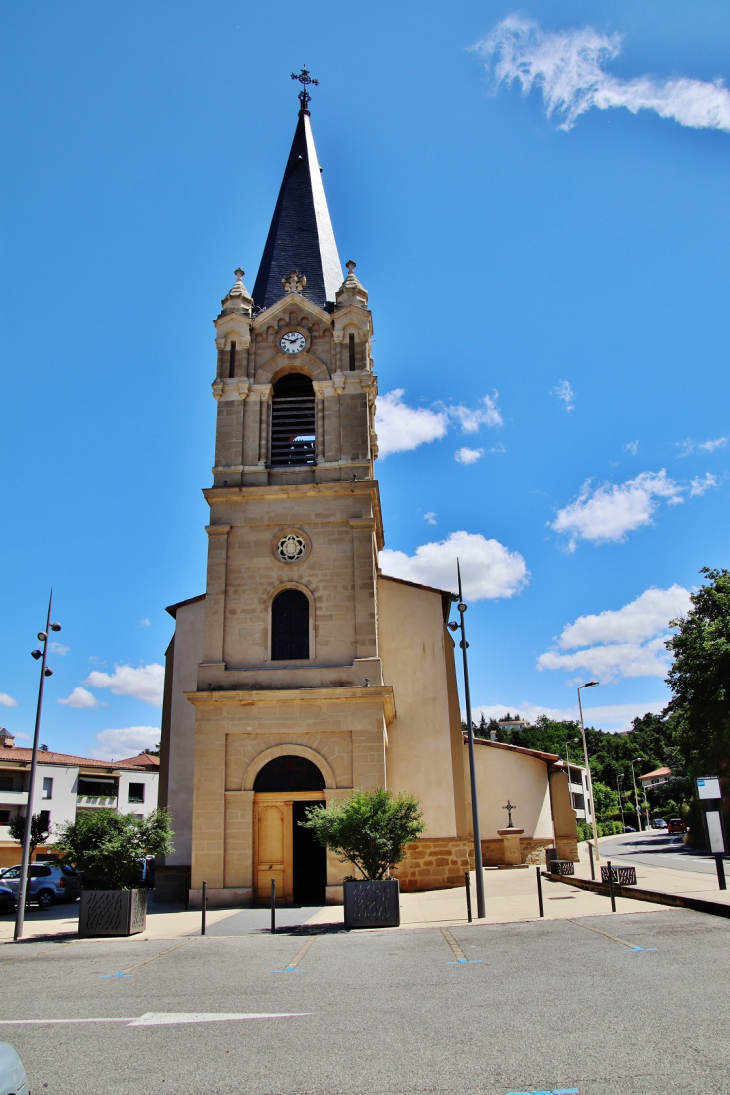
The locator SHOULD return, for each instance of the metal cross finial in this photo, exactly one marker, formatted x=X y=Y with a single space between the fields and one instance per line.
x=239 y=272
x=509 y=808
x=304 y=79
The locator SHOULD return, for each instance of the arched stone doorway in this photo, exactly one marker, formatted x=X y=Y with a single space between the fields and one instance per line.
x=283 y=790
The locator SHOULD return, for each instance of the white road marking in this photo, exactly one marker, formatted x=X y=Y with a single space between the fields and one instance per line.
x=162 y=1018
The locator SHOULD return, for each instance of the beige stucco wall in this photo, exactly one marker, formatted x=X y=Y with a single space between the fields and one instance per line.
x=506 y=774
x=413 y=654
x=187 y=655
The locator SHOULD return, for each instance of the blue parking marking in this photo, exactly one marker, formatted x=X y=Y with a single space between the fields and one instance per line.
x=289 y=969
x=633 y=949
x=465 y=962
x=554 y=1091
x=106 y=975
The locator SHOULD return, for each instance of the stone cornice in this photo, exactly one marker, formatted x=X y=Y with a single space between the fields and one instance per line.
x=232 y=697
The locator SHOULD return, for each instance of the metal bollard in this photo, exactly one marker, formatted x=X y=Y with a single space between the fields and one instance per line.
x=611 y=889
x=273 y=906
x=539 y=890
x=593 y=866
x=468 y=896
x=204 y=908
x=720 y=868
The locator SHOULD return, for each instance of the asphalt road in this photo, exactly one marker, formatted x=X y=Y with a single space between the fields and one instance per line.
x=539 y=1006
x=657 y=849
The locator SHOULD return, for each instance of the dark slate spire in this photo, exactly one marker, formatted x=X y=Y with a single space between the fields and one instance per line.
x=301 y=236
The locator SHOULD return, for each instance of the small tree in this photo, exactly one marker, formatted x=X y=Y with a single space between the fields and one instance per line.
x=107 y=847
x=39 y=830
x=370 y=829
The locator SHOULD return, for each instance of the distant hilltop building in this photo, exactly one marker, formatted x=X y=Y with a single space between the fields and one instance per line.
x=516 y=723
x=655 y=778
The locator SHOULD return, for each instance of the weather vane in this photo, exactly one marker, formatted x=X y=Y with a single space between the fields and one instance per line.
x=304 y=97
x=509 y=808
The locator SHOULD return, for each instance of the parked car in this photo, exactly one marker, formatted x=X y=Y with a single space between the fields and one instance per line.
x=48 y=883
x=629 y=829
x=658 y=823
x=13 y=1080
x=676 y=825
x=7 y=898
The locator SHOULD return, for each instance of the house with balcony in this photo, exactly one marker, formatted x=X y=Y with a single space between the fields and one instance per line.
x=579 y=798
x=66 y=785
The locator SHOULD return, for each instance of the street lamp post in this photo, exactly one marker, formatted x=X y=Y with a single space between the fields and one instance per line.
x=25 y=861
x=476 y=828
x=590 y=684
x=636 y=793
x=619 y=781
x=568 y=743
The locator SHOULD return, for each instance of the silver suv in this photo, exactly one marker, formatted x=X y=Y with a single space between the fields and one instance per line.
x=48 y=883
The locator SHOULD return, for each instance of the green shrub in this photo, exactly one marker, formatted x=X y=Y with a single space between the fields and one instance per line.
x=107 y=847
x=370 y=829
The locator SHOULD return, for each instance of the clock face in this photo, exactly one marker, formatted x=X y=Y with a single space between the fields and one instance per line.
x=293 y=342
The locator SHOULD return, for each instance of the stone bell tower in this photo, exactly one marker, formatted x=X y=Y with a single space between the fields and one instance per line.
x=290 y=679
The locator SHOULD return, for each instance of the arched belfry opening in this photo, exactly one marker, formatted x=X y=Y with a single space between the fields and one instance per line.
x=290 y=626
x=284 y=790
x=293 y=422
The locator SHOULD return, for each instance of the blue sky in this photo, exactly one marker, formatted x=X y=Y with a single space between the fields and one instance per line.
x=547 y=267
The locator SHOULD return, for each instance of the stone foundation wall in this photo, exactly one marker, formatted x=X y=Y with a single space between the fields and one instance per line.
x=567 y=848
x=434 y=864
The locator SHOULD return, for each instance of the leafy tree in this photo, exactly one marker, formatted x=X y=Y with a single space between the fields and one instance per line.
x=370 y=829
x=106 y=846
x=700 y=684
x=39 y=830
x=605 y=801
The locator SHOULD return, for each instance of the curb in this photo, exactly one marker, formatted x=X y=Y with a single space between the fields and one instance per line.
x=697 y=904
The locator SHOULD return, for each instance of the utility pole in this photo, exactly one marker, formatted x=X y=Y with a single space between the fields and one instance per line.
x=636 y=793
x=591 y=684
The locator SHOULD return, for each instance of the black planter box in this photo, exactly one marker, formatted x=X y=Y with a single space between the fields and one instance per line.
x=372 y=904
x=561 y=866
x=622 y=876
x=112 y=912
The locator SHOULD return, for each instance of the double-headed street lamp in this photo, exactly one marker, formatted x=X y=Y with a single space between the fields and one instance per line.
x=45 y=672
x=476 y=828
x=590 y=684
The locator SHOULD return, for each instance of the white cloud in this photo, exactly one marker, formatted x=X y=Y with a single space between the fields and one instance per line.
x=687 y=446
x=471 y=419
x=632 y=447
x=607 y=513
x=430 y=518
x=627 y=642
x=144 y=683
x=488 y=569
x=564 y=391
x=468 y=456
x=499 y=447
x=402 y=428
x=699 y=486
x=568 y=68
x=60 y=649
x=120 y=744
x=7 y=701
x=611 y=717
x=144 y=623
x=81 y=697
x=614 y=661
x=20 y=736
x=710 y=446
x=637 y=621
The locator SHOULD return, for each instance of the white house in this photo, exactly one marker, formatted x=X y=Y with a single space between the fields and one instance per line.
x=65 y=785
x=655 y=778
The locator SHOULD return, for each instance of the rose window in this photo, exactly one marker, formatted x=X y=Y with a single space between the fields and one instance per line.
x=290 y=548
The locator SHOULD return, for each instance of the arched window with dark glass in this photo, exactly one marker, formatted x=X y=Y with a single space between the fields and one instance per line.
x=290 y=626
x=293 y=417
x=289 y=774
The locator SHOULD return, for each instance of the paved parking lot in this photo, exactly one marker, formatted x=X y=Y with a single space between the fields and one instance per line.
x=538 y=1006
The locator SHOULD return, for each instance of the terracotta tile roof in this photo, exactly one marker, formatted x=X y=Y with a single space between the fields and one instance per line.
x=514 y=748
x=657 y=772
x=142 y=760
x=16 y=754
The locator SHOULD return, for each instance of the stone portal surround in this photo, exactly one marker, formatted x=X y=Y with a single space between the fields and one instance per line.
x=531 y=851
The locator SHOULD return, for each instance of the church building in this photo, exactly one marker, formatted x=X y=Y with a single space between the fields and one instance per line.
x=303 y=672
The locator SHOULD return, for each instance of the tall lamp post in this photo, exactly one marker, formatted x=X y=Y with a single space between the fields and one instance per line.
x=476 y=828
x=45 y=672
x=590 y=684
x=636 y=793
x=619 y=781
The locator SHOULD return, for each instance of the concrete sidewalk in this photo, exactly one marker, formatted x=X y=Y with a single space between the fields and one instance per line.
x=666 y=880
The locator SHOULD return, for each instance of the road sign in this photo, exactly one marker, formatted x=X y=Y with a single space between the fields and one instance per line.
x=708 y=787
